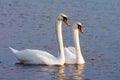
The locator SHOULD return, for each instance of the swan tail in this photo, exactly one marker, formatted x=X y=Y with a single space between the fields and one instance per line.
x=13 y=50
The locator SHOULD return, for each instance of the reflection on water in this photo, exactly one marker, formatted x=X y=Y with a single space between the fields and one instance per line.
x=60 y=73
x=41 y=72
x=75 y=72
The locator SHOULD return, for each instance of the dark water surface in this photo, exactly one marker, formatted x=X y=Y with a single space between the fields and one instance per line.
x=30 y=24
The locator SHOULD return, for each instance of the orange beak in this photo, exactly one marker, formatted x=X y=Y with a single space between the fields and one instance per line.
x=66 y=22
x=81 y=30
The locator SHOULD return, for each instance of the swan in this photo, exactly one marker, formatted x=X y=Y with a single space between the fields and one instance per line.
x=31 y=56
x=73 y=54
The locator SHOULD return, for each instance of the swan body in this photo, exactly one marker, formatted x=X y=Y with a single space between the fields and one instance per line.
x=73 y=54
x=30 y=56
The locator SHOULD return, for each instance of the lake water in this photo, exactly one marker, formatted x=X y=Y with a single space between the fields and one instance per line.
x=30 y=24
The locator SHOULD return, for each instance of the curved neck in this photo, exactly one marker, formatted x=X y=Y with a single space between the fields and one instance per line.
x=60 y=41
x=79 y=56
x=76 y=41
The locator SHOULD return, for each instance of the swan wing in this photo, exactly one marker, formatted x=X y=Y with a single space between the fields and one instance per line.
x=70 y=57
x=30 y=56
x=72 y=49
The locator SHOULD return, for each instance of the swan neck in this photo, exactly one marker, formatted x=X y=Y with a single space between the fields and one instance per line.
x=79 y=57
x=60 y=41
x=76 y=40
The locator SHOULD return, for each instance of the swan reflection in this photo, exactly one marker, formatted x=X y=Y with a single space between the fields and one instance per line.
x=70 y=72
x=60 y=73
x=77 y=72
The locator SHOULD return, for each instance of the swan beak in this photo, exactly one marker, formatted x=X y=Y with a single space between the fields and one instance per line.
x=81 y=30
x=66 y=22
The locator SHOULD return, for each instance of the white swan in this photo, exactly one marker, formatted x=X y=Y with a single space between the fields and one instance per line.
x=29 y=56
x=73 y=54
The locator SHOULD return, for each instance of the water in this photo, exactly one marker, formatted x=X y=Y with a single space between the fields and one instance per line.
x=30 y=24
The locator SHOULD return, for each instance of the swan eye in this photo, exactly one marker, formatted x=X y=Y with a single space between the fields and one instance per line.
x=79 y=26
x=65 y=18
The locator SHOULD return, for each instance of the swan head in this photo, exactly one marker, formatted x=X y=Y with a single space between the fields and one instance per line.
x=64 y=18
x=78 y=26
